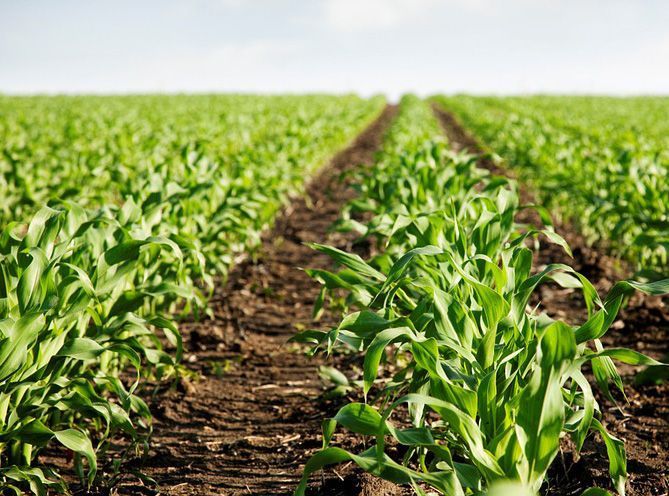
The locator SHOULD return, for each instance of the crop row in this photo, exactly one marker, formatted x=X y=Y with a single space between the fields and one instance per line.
x=119 y=214
x=465 y=388
x=600 y=162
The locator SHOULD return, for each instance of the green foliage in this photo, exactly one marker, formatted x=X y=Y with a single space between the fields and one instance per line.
x=600 y=162
x=134 y=204
x=82 y=296
x=488 y=384
x=218 y=167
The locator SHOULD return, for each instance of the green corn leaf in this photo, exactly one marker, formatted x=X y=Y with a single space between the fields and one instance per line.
x=615 y=450
x=376 y=350
x=540 y=420
x=30 y=283
x=361 y=419
x=79 y=443
x=463 y=426
x=626 y=356
x=582 y=427
x=353 y=262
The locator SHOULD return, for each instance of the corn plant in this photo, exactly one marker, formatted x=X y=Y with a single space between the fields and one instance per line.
x=483 y=385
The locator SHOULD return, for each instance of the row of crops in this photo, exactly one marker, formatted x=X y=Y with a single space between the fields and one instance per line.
x=600 y=162
x=117 y=216
x=464 y=388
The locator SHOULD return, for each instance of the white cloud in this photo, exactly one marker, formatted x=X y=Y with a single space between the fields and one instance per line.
x=358 y=15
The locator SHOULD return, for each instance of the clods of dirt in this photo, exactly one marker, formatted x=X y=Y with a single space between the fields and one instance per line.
x=358 y=483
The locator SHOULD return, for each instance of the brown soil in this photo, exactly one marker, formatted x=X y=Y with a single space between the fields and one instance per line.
x=643 y=422
x=251 y=420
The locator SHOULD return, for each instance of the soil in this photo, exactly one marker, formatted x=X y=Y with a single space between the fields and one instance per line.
x=642 y=421
x=247 y=425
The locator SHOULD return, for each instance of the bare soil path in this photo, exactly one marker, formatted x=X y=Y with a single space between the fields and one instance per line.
x=249 y=423
x=643 y=326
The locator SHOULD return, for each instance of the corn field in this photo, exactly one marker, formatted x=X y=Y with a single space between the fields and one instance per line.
x=448 y=321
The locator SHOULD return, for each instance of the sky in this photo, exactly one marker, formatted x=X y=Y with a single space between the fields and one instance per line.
x=335 y=46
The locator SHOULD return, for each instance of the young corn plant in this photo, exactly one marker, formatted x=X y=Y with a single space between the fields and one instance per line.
x=484 y=385
x=81 y=300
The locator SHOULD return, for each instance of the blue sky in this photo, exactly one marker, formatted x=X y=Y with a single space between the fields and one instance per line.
x=365 y=46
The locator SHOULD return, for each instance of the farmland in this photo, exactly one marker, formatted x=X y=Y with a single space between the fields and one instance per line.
x=141 y=217
x=231 y=294
x=600 y=162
